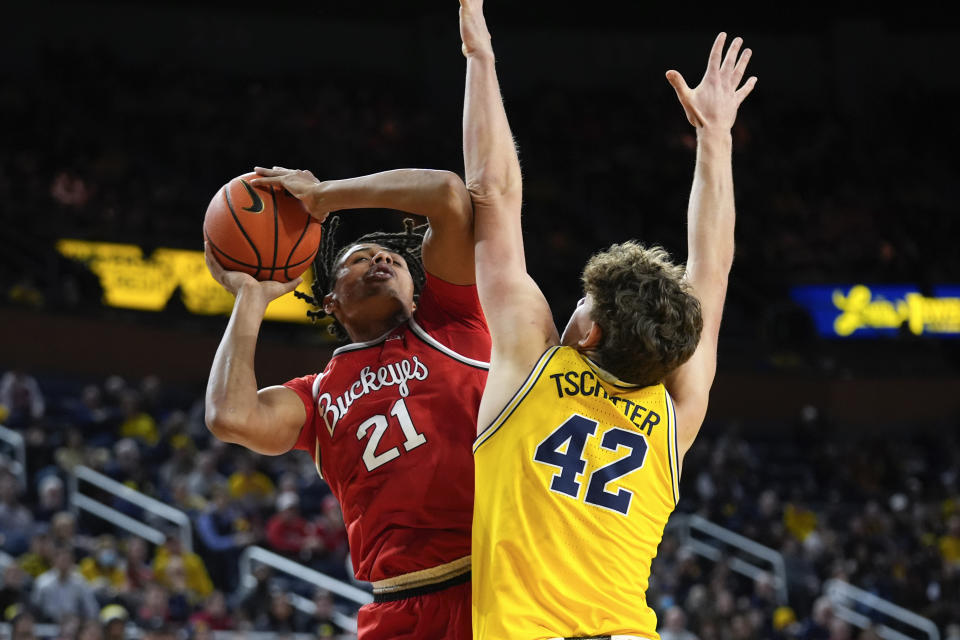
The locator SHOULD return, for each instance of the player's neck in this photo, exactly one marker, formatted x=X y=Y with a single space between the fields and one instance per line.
x=366 y=330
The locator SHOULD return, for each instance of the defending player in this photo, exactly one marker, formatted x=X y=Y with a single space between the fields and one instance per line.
x=391 y=419
x=581 y=437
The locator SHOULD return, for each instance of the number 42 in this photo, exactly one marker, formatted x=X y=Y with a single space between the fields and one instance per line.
x=574 y=433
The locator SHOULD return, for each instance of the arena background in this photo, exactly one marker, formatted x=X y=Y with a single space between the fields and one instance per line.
x=832 y=436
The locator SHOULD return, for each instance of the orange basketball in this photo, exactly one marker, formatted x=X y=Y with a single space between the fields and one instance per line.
x=263 y=231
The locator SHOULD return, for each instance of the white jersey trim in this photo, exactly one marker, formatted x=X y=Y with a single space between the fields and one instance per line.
x=673 y=452
x=433 y=342
x=362 y=345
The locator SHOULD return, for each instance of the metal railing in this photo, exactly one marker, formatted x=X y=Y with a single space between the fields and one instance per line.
x=259 y=555
x=846 y=599
x=713 y=548
x=80 y=501
x=14 y=442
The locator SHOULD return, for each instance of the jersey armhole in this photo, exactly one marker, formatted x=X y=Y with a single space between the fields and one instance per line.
x=673 y=451
x=517 y=397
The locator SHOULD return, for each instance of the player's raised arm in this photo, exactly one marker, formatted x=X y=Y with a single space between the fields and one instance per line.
x=711 y=107
x=521 y=325
x=439 y=195
x=266 y=421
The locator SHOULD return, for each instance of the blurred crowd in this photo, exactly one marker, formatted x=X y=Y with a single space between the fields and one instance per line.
x=823 y=196
x=69 y=567
x=880 y=511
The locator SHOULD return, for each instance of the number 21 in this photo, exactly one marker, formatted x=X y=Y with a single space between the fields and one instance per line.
x=414 y=439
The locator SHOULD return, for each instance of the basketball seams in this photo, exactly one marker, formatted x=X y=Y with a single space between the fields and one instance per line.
x=226 y=193
x=248 y=265
x=256 y=232
x=293 y=249
x=276 y=230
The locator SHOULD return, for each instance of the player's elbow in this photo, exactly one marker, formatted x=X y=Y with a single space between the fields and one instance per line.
x=223 y=424
x=492 y=187
x=454 y=197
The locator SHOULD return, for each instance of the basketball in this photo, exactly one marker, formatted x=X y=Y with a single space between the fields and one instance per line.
x=263 y=231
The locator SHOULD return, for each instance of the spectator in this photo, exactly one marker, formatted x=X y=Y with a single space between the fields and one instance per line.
x=114 y=618
x=63 y=532
x=39 y=558
x=127 y=466
x=202 y=480
x=16 y=521
x=196 y=577
x=224 y=531
x=137 y=573
x=252 y=600
x=136 y=423
x=950 y=543
x=818 y=627
x=14 y=592
x=95 y=421
x=21 y=399
x=251 y=487
x=840 y=630
x=214 y=614
x=90 y=630
x=181 y=498
x=21 y=626
x=333 y=536
x=155 y=607
x=73 y=452
x=321 y=624
x=159 y=630
x=675 y=626
x=289 y=533
x=180 y=464
x=102 y=569
x=51 y=497
x=279 y=616
x=62 y=591
x=183 y=598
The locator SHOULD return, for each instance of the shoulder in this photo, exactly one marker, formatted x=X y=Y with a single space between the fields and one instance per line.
x=442 y=300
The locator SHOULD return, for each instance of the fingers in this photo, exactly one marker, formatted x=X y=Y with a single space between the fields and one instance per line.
x=745 y=90
x=677 y=82
x=264 y=182
x=741 y=67
x=215 y=269
x=290 y=286
x=730 y=59
x=275 y=171
x=717 y=51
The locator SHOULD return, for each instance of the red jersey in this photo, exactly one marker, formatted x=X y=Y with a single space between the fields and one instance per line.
x=391 y=423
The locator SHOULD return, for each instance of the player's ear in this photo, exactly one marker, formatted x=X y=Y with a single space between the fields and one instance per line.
x=329 y=303
x=593 y=338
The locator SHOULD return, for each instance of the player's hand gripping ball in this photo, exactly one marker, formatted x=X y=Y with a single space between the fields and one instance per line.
x=263 y=231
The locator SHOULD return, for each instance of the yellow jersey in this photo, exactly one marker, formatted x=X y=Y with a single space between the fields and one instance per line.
x=575 y=480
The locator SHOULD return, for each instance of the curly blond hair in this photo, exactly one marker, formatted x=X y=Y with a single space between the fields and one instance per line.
x=651 y=321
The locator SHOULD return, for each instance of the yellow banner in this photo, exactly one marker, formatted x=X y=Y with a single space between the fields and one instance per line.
x=861 y=309
x=131 y=281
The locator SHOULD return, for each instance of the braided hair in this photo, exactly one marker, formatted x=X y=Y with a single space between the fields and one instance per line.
x=407 y=243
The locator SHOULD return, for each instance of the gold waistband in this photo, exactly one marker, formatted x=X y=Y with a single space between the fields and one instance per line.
x=423 y=577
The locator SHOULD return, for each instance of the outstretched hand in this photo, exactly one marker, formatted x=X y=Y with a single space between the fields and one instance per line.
x=302 y=185
x=473 y=29
x=714 y=102
x=233 y=281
